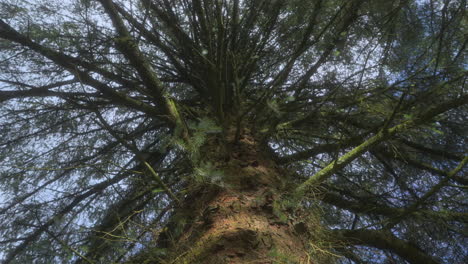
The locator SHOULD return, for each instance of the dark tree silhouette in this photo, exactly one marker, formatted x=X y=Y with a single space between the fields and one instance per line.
x=233 y=131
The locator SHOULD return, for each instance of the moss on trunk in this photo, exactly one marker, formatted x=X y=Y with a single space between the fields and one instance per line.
x=241 y=219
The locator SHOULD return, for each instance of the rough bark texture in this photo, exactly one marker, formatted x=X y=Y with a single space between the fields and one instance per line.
x=242 y=221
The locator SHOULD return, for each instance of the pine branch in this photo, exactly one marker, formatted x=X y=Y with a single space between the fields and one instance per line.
x=381 y=136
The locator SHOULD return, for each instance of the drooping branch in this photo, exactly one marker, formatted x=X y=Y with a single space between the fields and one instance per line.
x=72 y=64
x=33 y=236
x=68 y=247
x=406 y=159
x=117 y=218
x=363 y=206
x=139 y=156
x=429 y=193
x=41 y=91
x=8 y=33
x=67 y=171
x=432 y=151
x=387 y=241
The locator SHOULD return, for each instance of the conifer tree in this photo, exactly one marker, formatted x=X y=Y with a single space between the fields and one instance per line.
x=233 y=131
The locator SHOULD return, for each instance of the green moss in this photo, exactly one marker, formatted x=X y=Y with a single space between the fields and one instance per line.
x=278 y=211
x=279 y=257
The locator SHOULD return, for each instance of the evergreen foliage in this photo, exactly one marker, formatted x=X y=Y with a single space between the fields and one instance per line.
x=113 y=112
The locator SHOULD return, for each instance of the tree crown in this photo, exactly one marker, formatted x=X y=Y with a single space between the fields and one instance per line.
x=107 y=106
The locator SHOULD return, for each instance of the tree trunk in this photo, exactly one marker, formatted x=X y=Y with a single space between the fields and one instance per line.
x=239 y=219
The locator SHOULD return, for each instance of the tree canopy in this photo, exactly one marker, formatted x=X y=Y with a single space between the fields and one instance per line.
x=105 y=107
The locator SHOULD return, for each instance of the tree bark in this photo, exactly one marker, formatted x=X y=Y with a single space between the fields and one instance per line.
x=240 y=219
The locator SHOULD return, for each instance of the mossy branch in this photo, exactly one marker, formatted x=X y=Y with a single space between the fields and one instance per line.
x=381 y=136
x=129 y=48
x=160 y=182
